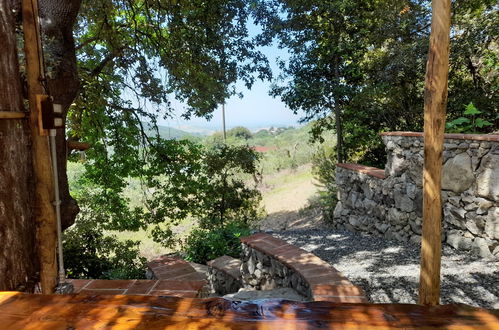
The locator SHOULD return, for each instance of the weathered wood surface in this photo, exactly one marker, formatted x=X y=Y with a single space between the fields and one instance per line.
x=42 y=166
x=22 y=311
x=18 y=267
x=435 y=102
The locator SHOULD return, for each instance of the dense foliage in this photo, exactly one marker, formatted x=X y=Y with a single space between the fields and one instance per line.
x=358 y=66
x=203 y=245
x=91 y=253
x=355 y=67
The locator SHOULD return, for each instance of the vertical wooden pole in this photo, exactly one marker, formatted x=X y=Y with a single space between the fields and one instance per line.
x=434 y=124
x=44 y=210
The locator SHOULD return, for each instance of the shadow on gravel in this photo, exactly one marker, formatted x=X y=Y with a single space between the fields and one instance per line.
x=388 y=270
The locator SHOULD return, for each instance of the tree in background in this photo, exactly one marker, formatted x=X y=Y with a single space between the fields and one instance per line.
x=358 y=67
x=326 y=40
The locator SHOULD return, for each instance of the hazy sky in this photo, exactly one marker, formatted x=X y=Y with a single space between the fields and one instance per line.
x=255 y=110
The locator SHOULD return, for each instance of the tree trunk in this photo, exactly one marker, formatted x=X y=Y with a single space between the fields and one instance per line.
x=58 y=18
x=339 y=134
x=18 y=262
x=337 y=114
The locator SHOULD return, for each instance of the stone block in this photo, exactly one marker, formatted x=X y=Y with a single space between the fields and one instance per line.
x=488 y=179
x=457 y=173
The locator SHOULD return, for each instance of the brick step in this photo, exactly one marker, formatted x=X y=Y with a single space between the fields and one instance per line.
x=173 y=268
x=174 y=288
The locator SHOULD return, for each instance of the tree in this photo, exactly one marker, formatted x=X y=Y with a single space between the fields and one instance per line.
x=240 y=132
x=130 y=59
x=18 y=262
x=380 y=51
x=321 y=75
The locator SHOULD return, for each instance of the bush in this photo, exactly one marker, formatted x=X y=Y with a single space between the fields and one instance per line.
x=324 y=170
x=203 y=245
x=90 y=253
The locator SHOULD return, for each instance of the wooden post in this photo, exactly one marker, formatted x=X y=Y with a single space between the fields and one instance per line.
x=44 y=210
x=434 y=124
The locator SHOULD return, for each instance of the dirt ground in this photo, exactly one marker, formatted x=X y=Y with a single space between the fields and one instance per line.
x=286 y=198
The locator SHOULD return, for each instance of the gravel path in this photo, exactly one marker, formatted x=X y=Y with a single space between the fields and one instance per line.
x=388 y=271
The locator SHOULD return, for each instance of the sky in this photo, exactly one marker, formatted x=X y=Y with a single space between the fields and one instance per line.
x=257 y=109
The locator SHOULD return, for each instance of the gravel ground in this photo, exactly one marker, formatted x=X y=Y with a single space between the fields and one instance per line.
x=388 y=271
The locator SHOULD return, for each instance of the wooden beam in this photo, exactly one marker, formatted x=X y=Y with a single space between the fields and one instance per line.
x=44 y=210
x=75 y=145
x=434 y=124
x=13 y=115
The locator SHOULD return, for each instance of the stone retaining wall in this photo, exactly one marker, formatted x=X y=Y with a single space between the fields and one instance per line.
x=224 y=275
x=389 y=203
x=269 y=263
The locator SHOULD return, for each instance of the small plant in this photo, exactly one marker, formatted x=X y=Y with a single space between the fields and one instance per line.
x=469 y=124
x=203 y=245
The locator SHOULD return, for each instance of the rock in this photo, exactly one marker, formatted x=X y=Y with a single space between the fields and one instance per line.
x=251 y=265
x=492 y=223
x=402 y=201
x=354 y=221
x=337 y=210
x=458 y=241
x=483 y=205
x=395 y=216
x=396 y=165
x=496 y=252
x=411 y=190
x=416 y=226
x=488 y=179
x=416 y=239
x=455 y=200
x=475 y=223
x=481 y=247
x=454 y=216
x=457 y=173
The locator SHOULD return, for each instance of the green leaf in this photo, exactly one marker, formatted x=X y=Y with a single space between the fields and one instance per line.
x=482 y=123
x=471 y=110
x=459 y=121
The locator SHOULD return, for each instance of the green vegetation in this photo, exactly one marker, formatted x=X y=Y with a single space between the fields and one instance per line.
x=203 y=183
x=469 y=124
x=356 y=68
x=203 y=245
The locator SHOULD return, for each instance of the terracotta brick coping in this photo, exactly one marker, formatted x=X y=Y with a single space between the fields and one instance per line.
x=173 y=288
x=372 y=171
x=326 y=282
x=228 y=265
x=477 y=137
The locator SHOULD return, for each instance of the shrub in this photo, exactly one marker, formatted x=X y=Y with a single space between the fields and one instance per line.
x=90 y=253
x=203 y=245
x=324 y=170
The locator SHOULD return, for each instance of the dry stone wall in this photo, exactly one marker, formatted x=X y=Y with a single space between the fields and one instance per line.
x=391 y=204
x=263 y=272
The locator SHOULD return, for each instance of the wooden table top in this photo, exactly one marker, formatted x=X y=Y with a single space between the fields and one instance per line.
x=25 y=311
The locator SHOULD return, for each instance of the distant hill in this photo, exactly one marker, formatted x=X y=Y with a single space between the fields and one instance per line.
x=167 y=132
